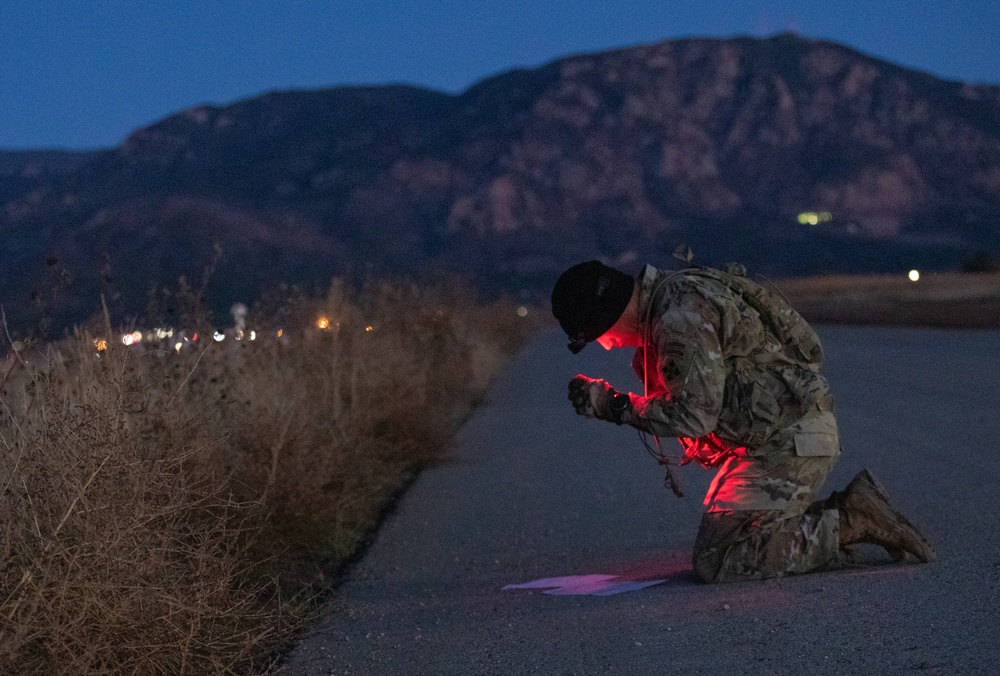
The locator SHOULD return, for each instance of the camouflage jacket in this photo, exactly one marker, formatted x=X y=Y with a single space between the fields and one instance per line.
x=726 y=363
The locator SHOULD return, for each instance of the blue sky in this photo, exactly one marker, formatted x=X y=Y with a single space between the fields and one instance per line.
x=84 y=73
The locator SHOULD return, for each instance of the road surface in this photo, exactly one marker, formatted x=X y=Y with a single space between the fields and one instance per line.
x=536 y=492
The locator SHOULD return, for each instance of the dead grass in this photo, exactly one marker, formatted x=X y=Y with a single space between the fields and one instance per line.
x=951 y=300
x=175 y=513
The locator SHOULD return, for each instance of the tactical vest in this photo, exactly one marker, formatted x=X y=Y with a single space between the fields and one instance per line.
x=768 y=390
x=779 y=318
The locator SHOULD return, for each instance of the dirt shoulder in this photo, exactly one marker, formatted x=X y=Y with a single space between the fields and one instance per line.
x=953 y=300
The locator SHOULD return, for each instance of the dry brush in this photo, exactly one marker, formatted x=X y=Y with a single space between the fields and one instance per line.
x=174 y=511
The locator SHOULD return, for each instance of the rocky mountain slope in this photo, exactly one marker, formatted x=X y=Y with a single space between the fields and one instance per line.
x=792 y=155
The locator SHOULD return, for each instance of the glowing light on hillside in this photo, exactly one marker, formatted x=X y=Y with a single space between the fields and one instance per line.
x=178 y=346
x=253 y=335
x=914 y=275
x=132 y=338
x=218 y=337
x=281 y=332
x=322 y=323
x=369 y=329
x=522 y=311
x=101 y=344
x=814 y=217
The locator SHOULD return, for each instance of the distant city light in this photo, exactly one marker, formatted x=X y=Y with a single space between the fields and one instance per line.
x=132 y=338
x=239 y=311
x=322 y=323
x=815 y=217
x=253 y=335
x=101 y=344
x=522 y=311
x=178 y=346
x=369 y=329
x=914 y=275
x=218 y=337
x=281 y=332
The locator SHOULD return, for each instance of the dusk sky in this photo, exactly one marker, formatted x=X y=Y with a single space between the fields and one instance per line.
x=84 y=73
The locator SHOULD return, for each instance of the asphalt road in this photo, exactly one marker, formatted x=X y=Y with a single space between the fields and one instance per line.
x=537 y=492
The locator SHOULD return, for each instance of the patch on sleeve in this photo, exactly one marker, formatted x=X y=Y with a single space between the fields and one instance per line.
x=677 y=354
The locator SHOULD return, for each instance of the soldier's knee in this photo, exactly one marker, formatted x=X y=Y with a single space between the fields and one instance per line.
x=707 y=565
x=727 y=546
x=711 y=546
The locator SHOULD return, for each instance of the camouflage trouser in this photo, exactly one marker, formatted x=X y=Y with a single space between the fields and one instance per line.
x=762 y=520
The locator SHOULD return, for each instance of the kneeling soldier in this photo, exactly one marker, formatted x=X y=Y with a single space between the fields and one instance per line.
x=733 y=372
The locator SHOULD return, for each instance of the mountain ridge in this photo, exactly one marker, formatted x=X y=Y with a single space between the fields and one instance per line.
x=720 y=143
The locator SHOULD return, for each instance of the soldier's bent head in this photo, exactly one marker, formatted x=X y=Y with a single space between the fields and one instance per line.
x=588 y=299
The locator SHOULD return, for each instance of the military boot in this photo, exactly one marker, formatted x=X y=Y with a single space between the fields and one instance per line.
x=867 y=516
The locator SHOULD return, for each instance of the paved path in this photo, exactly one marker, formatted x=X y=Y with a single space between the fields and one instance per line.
x=536 y=492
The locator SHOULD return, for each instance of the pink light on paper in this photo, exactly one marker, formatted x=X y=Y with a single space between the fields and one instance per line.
x=585 y=585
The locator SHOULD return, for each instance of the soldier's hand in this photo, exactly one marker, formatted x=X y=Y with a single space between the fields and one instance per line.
x=591 y=397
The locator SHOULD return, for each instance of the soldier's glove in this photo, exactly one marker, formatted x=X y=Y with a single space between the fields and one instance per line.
x=595 y=398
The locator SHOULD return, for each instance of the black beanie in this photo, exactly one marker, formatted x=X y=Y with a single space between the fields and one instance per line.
x=588 y=299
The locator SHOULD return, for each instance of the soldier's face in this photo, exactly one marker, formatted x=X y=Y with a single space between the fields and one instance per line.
x=620 y=336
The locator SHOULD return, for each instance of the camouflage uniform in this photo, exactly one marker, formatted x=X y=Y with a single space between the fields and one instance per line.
x=733 y=372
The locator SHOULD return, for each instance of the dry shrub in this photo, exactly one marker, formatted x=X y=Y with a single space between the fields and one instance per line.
x=171 y=512
x=119 y=553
